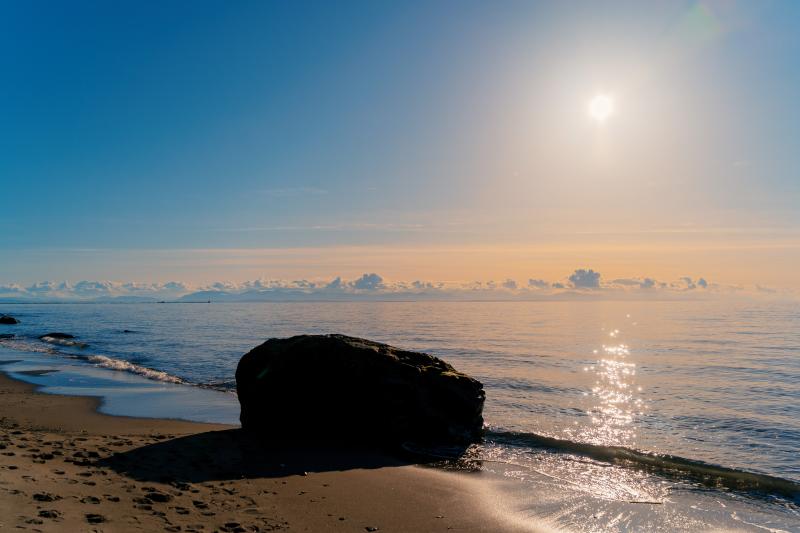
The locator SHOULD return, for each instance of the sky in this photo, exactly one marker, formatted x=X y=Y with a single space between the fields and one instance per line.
x=444 y=142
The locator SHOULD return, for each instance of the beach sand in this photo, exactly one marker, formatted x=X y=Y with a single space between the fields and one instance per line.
x=66 y=467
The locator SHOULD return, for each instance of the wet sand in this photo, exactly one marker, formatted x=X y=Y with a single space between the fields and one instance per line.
x=66 y=467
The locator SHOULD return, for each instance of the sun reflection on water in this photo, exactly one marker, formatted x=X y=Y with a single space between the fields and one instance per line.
x=616 y=402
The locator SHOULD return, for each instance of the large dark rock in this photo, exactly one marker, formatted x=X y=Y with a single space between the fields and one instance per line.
x=334 y=388
x=5 y=319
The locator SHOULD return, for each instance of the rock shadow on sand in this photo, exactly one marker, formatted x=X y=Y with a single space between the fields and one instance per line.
x=237 y=454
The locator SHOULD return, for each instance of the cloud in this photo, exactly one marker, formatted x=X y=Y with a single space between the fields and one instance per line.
x=43 y=287
x=646 y=283
x=368 y=282
x=585 y=279
x=11 y=289
x=335 y=284
x=538 y=283
x=93 y=288
x=371 y=285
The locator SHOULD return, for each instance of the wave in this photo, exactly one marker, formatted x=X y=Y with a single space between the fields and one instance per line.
x=125 y=366
x=666 y=465
x=102 y=361
x=20 y=345
x=225 y=386
x=63 y=342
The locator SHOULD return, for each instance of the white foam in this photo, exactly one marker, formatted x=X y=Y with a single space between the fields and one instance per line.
x=63 y=342
x=125 y=366
x=26 y=346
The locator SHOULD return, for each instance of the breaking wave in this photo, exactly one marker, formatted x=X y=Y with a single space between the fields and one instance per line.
x=125 y=366
x=665 y=465
x=103 y=361
x=63 y=342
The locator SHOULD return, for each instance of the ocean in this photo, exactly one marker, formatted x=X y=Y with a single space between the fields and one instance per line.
x=600 y=416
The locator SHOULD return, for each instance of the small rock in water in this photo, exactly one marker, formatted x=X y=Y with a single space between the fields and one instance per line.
x=57 y=335
x=8 y=320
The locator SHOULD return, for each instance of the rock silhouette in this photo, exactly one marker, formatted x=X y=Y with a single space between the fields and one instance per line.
x=336 y=388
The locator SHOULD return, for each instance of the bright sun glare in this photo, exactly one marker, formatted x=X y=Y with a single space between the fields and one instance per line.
x=601 y=107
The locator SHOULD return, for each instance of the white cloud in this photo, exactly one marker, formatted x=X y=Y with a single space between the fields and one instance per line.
x=93 y=288
x=371 y=285
x=11 y=289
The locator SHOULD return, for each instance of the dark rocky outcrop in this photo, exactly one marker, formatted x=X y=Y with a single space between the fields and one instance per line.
x=334 y=388
x=57 y=335
x=8 y=320
x=6 y=336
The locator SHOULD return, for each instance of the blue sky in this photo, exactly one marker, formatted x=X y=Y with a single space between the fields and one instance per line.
x=138 y=135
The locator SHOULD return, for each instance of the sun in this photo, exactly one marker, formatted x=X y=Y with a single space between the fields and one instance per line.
x=601 y=107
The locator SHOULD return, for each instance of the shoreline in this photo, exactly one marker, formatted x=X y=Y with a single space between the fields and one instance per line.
x=64 y=466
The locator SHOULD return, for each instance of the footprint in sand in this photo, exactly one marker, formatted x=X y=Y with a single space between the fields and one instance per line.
x=95 y=518
x=50 y=513
x=90 y=499
x=45 y=497
x=159 y=497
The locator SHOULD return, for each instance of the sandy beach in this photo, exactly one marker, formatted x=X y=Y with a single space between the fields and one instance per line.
x=66 y=467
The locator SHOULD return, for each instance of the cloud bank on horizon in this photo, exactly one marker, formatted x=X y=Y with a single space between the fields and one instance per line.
x=582 y=283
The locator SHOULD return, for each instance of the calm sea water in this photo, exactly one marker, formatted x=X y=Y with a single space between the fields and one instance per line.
x=571 y=386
